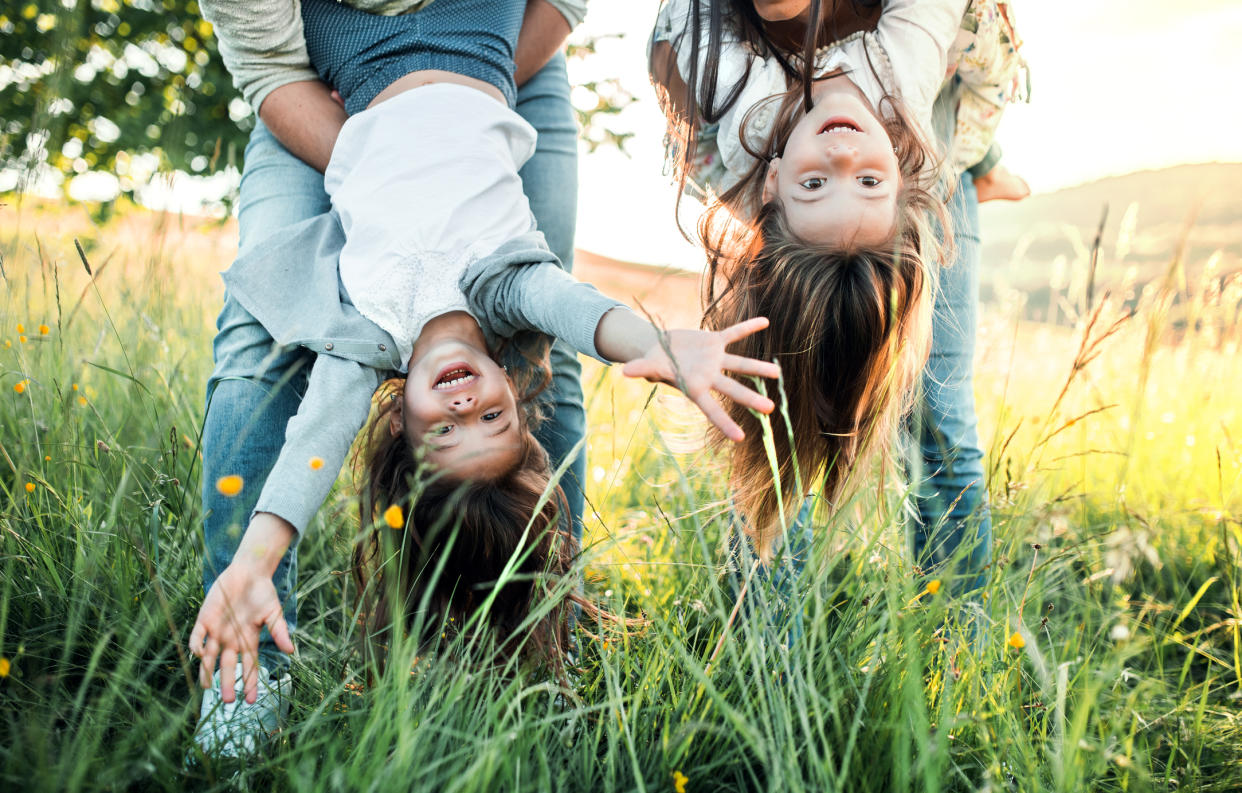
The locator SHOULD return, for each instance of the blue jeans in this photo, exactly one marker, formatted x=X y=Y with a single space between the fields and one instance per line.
x=949 y=484
x=257 y=385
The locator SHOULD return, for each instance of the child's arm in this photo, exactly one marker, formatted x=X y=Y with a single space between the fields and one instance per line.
x=521 y=287
x=243 y=600
x=917 y=36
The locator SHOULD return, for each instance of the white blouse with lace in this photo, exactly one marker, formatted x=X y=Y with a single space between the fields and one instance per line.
x=425 y=184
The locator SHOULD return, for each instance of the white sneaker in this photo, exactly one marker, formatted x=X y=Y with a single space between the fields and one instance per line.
x=239 y=729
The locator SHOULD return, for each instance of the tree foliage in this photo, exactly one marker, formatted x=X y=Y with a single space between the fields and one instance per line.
x=85 y=84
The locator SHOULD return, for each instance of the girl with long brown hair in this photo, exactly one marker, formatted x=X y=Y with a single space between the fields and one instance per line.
x=826 y=213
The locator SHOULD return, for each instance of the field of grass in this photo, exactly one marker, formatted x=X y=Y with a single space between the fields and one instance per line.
x=1105 y=656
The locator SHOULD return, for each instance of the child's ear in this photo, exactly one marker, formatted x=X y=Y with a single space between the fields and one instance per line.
x=396 y=419
x=769 y=179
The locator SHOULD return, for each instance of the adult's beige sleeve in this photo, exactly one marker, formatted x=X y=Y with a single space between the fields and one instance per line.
x=574 y=11
x=261 y=43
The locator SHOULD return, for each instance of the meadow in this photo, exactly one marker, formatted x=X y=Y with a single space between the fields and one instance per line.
x=1102 y=654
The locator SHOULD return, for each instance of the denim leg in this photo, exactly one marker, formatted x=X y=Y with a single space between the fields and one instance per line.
x=550 y=180
x=774 y=590
x=949 y=480
x=256 y=386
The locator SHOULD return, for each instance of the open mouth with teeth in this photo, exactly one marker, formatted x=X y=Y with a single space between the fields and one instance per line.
x=454 y=376
x=838 y=125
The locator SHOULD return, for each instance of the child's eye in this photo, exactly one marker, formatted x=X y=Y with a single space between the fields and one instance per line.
x=495 y=414
x=868 y=181
x=814 y=183
x=443 y=429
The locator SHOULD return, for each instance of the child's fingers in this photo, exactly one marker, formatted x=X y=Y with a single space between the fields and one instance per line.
x=717 y=415
x=197 y=634
x=743 y=395
x=228 y=675
x=211 y=649
x=750 y=366
x=279 y=629
x=250 y=674
x=642 y=367
x=743 y=329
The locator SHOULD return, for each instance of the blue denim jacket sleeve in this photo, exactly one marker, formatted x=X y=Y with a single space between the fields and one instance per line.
x=521 y=287
x=334 y=408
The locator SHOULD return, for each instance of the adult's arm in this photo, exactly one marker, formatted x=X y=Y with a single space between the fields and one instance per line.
x=545 y=26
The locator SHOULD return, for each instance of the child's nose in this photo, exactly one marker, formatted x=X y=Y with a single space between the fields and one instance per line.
x=842 y=153
x=462 y=402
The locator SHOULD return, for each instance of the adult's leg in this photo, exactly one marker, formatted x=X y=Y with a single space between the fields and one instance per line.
x=550 y=179
x=953 y=521
x=256 y=385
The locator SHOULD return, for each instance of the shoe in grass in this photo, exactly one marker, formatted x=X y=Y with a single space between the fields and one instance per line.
x=239 y=729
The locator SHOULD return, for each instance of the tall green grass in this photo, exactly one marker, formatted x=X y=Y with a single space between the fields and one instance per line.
x=1117 y=539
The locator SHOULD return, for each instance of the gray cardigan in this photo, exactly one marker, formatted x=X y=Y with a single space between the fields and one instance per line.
x=290 y=283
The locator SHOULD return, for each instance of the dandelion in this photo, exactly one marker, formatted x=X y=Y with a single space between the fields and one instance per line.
x=1016 y=641
x=30 y=487
x=75 y=386
x=316 y=463
x=20 y=386
x=47 y=458
x=44 y=330
x=5 y=666
x=394 y=517
x=21 y=339
x=82 y=401
x=230 y=485
x=933 y=586
x=21 y=328
x=679 y=781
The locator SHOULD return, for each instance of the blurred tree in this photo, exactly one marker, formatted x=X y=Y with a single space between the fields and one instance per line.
x=85 y=85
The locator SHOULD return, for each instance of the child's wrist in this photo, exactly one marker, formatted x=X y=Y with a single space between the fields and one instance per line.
x=264 y=543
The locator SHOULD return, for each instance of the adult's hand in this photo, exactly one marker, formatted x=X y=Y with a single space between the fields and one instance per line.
x=306 y=119
x=543 y=33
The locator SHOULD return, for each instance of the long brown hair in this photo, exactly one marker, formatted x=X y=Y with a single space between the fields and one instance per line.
x=850 y=327
x=459 y=539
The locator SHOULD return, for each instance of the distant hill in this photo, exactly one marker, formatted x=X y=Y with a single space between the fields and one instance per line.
x=1148 y=213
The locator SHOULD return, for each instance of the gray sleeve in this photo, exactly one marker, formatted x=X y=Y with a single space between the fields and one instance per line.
x=538 y=297
x=574 y=11
x=336 y=404
x=261 y=43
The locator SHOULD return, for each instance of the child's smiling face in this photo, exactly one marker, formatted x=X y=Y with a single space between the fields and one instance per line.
x=838 y=178
x=460 y=405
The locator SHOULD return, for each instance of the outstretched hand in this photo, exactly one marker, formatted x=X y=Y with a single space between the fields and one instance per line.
x=695 y=361
x=241 y=601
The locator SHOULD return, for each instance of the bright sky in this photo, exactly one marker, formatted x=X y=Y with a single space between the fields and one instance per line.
x=1117 y=86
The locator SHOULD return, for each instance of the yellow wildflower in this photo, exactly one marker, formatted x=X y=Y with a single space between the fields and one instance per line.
x=316 y=463
x=20 y=386
x=394 y=517
x=75 y=386
x=47 y=458
x=933 y=586
x=4 y=666
x=21 y=328
x=230 y=485
x=30 y=487
x=21 y=339
x=44 y=330
x=1016 y=641
x=679 y=781
x=81 y=400
x=7 y=344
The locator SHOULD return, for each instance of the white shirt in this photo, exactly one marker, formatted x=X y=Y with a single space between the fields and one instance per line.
x=906 y=56
x=425 y=184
